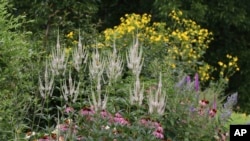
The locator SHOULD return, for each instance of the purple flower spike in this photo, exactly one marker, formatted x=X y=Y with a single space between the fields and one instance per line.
x=188 y=79
x=196 y=82
x=214 y=105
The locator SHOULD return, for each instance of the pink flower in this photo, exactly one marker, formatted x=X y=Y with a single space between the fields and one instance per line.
x=105 y=114
x=118 y=115
x=203 y=102
x=212 y=112
x=158 y=134
x=44 y=138
x=144 y=122
x=87 y=111
x=63 y=127
x=201 y=112
x=69 y=109
x=119 y=119
x=160 y=129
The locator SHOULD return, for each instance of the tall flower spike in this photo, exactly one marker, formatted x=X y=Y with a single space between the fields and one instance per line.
x=196 y=83
x=70 y=90
x=46 y=89
x=79 y=55
x=114 y=66
x=136 y=95
x=231 y=101
x=188 y=80
x=134 y=58
x=97 y=102
x=96 y=67
x=181 y=82
x=58 y=61
x=157 y=101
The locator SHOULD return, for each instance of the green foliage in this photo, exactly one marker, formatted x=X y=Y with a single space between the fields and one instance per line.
x=238 y=118
x=49 y=16
x=16 y=77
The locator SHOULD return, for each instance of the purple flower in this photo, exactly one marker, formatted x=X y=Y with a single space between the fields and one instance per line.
x=196 y=82
x=181 y=82
x=188 y=80
x=192 y=109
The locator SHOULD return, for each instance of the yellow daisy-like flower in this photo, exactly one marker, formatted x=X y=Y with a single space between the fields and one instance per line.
x=235 y=59
x=220 y=63
x=70 y=35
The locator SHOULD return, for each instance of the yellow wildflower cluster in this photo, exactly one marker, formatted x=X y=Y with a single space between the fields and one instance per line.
x=184 y=42
x=204 y=72
x=188 y=43
x=138 y=25
x=229 y=68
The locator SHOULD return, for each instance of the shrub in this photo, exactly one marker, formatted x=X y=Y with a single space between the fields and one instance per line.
x=16 y=77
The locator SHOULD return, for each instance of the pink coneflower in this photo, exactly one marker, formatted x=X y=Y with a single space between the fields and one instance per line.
x=119 y=119
x=213 y=111
x=159 y=128
x=63 y=127
x=201 y=111
x=144 y=121
x=158 y=134
x=105 y=114
x=69 y=110
x=203 y=103
x=44 y=138
x=87 y=111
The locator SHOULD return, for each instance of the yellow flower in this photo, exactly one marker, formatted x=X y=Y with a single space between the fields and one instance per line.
x=229 y=56
x=70 y=35
x=220 y=63
x=237 y=69
x=222 y=73
x=226 y=79
x=173 y=65
x=235 y=59
x=230 y=64
x=67 y=50
x=75 y=42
